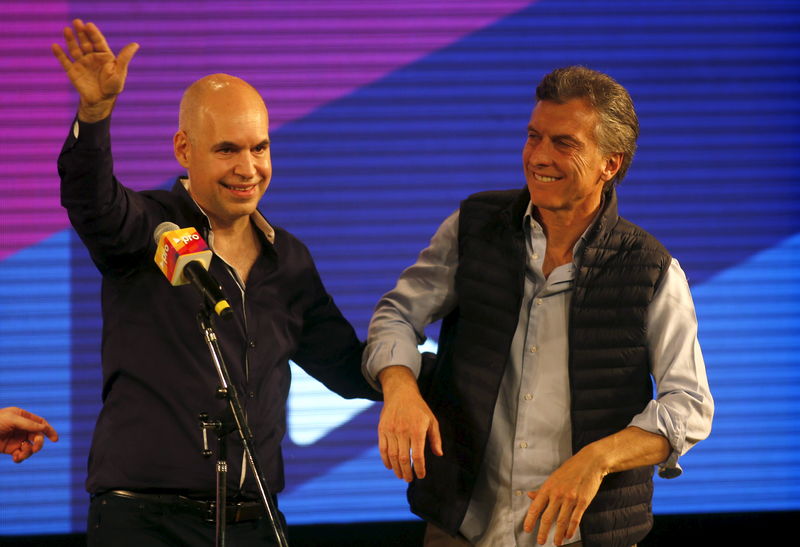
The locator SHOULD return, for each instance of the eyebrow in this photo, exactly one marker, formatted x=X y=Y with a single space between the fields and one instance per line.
x=568 y=138
x=226 y=144
x=230 y=144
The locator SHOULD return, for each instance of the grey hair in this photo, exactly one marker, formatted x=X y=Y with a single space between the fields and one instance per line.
x=618 y=126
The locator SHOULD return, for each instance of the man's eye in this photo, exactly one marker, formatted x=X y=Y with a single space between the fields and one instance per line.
x=565 y=144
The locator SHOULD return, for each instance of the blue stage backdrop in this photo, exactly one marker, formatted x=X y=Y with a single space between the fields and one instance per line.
x=384 y=115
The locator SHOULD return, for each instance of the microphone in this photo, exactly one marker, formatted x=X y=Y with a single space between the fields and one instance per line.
x=183 y=257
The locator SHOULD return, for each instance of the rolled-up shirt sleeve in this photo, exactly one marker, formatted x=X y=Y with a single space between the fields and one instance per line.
x=683 y=408
x=425 y=292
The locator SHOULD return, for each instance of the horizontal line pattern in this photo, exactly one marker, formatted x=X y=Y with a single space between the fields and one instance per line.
x=381 y=123
x=35 y=345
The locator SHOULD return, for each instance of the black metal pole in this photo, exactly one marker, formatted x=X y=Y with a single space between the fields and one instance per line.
x=222 y=485
x=205 y=322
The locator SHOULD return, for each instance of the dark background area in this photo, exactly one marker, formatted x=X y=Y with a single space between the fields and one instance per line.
x=668 y=530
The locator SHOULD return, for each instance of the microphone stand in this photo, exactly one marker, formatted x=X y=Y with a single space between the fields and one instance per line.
x=227 y=391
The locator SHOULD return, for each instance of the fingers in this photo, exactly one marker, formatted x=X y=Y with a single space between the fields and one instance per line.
x=403 y=453
x=22 y=453
x=418 y=447
x=404 y=459
x=546 y=522
x=392 y=455
x=565 y=515
x=87 y=38
x=418 y=454
x=61 y=56
x=28 y=421
x=50 y=432
x=83 y=37
x=545 y=511
x=125 y=56
x=96 y=38
x=533 y=513
x=435 y=438
x=75 y=40
x=391 y=450
x=36 y=442
x=72 y=44
x=396 y=455
x=46 y=430
x=577 y=515
x=383 y=447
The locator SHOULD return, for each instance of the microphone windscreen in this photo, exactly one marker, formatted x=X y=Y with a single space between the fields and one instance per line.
x=177 y=247
x=164 y=227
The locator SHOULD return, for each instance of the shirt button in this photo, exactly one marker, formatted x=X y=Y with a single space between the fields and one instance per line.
x=518 y=493
x=523 y=444
x=252 y=343
x=534 y=256
x=528 y=396
x=534 y=349
x=252 y=395
x=538 y=301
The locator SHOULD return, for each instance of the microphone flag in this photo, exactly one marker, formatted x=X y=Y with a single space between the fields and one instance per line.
x=176 y=248
x=183 y=257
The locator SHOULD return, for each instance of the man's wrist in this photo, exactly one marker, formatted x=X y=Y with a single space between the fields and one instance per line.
x=396 y=376
x=95 y=112
x=599 y=457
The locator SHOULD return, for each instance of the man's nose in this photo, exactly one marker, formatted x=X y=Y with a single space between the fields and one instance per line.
x=245 y=166
x=541 y=153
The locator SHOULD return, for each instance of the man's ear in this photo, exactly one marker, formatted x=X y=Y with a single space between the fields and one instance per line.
x=611 y=167
x=182 y=148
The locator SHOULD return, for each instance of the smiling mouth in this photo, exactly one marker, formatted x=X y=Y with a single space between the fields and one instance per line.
x=239 y=187
x=245 y=188
x=543 y=178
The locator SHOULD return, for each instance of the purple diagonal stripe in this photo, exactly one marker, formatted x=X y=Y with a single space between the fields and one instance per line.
x=300 y=55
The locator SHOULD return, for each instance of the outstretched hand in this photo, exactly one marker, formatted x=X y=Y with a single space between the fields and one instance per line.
x=22 y=433
x=98 y=76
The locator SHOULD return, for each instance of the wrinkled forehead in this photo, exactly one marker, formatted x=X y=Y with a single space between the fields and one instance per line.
x=573 y=117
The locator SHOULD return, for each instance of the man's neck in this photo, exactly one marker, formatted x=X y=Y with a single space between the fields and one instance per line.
x=238 y=244
x=562 y=228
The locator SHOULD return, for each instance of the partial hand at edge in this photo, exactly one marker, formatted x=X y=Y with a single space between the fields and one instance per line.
x=405 y=424
x=22 y=433
x=97 y=75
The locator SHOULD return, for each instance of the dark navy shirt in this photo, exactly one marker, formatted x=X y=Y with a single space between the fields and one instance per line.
x=157 y=371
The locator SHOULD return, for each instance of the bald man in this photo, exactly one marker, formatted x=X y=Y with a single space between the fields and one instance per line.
x=149 y=483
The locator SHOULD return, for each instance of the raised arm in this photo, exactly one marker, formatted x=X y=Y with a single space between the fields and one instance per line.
x=98 y=76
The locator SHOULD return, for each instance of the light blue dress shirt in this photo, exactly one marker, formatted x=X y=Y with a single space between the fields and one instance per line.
x=531 y=431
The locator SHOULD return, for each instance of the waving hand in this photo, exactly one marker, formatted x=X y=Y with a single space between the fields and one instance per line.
x=96 y=73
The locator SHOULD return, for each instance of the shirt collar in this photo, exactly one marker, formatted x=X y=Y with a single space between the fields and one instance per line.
x=256 y=217
x=528 y=220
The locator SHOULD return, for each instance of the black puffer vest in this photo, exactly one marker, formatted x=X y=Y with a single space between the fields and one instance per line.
x=608 y=364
